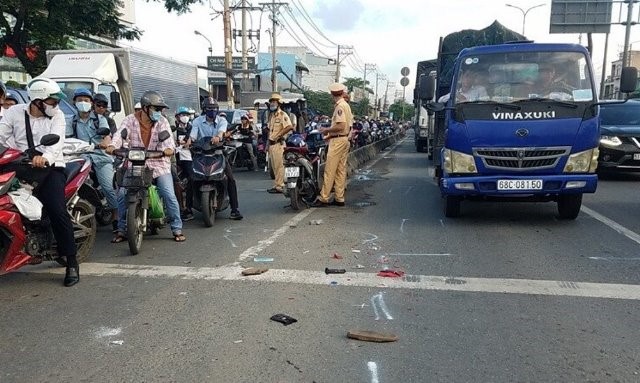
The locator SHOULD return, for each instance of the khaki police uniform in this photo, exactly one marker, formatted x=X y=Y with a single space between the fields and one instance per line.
x=335 y=170
x=278 y=122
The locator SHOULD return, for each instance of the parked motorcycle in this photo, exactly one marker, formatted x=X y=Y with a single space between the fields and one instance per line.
x=210 y=194
x=303 y=179
x=26 y=236
x=136 y=178
x=241 y=157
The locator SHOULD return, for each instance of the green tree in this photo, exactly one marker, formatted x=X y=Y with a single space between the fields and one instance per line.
x=320 y=101
x=361 y=108
x=396 y=109
x=31 y=27
x=356 y=83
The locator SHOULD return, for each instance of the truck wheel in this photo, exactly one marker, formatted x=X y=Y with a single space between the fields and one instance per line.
x=452 y=206
x=569 y=206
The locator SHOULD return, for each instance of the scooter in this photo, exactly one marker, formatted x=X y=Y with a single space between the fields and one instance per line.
x=136 y=178
x=303 y=179
x=241 y=157
x=25 y=235
x=210 y=194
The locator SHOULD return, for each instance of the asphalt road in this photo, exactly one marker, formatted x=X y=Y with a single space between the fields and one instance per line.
x=505 y=293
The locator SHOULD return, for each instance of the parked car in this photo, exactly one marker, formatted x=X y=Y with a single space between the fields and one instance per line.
x=620 y=137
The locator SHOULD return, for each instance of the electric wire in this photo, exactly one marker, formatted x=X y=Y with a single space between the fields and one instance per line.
x=310 y=21
x=308 y=37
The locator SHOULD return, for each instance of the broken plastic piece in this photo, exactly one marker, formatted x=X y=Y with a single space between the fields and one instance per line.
x=355 y=251
x=334 y=271
x=391 y=273
x=358 y=267
x=284 y=319
x=262 y=259
x=254 y=271
x=316 y=222
x=336 y=256
x=117 y=342
x=372 y=336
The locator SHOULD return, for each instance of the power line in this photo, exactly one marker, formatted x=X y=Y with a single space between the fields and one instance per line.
x=308 y=36
x=310 y=21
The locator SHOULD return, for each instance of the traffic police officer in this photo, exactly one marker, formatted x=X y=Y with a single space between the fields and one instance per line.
x=335 y=170
x=279 y=126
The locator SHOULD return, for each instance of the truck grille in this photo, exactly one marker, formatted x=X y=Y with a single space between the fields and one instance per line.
x=521 y=158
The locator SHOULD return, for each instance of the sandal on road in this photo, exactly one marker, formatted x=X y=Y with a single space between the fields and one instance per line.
x=119 y=237
x=179 y=237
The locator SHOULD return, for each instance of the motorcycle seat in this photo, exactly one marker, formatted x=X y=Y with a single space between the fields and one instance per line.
x=72 y=169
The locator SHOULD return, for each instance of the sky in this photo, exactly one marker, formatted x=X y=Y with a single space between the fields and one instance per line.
x=389 y=34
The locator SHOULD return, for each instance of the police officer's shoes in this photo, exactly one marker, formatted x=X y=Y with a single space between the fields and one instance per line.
x=318 y=203
x=337 y=203
x=235 y=215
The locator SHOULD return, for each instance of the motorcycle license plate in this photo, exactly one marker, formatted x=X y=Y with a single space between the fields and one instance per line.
x=291 y=172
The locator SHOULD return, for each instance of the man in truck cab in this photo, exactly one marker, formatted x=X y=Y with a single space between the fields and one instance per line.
x=469 y=88
x=550 y=85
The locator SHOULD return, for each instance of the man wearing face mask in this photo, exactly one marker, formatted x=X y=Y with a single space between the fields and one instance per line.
x=84 y=126
x=210 y=124
x=21 y=128
x=279 y=126
x=143 y=129
x=183 y=156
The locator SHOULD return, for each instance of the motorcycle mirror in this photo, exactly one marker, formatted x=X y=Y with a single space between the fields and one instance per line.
x=163 y=136
x=103 y=132
x=123 y=134
x=49 y=139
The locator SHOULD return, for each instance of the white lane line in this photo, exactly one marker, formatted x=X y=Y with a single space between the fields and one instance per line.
x=373 y=369
x=378 y=301
x=263 y=244
x=402 y=224
x=613 y=259
x=612 y=224
x=357 y=279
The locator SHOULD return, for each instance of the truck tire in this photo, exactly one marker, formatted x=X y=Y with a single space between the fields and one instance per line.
x=452 y=206
x=569 y=206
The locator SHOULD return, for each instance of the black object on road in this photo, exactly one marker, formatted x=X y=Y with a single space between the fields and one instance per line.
x=334 y=271
x=284 y=319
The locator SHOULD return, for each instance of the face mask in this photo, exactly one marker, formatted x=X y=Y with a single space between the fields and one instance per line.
x=83 y=106
x=155 y=116
x=184 y=119
x=273 y=108
x=50 y=110
x=211 y=113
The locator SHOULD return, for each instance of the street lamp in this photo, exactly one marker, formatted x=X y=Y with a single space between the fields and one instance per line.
x=524 y=12
x=207 y=60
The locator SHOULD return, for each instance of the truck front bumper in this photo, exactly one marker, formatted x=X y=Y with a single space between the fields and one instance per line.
x=488 y=185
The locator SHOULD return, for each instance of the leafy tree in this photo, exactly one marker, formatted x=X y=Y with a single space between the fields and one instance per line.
x=320 y=101
x=28 y=28
x=356 y=83
x=361 y=108
x=396 y=109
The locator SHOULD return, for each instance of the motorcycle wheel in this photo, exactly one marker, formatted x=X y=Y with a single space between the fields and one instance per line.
x=207 y=204
x=296 y=200
x=84 y=230
x=134 y=227
x=103 y=216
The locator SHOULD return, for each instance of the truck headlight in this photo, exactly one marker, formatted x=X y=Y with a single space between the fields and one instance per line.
x=610 y=141
x=583 y=162
x=457 y=162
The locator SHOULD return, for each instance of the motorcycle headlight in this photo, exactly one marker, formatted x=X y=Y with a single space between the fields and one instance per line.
x=136 y=155
x=610 y=141
x=582 y=162
x=457 y=162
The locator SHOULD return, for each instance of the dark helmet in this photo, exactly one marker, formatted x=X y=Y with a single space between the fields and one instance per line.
x=82 y=92
x=210 y=103
x=99 y=97
x=3 y=89
x=296 y=141
x=11 y=96
x=152 y=98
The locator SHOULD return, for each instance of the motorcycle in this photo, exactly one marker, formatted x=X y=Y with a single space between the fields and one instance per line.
x=136 y=178
x=210 y=194
x=90 y=190
x=303 y=179
x=26 y=236
x=241 y=157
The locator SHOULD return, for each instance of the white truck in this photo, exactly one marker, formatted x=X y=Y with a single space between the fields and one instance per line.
x=123 y=75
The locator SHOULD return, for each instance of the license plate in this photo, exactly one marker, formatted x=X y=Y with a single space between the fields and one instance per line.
x=424 y=133
x=636 y=156
x=291 y=172
x=519 y=184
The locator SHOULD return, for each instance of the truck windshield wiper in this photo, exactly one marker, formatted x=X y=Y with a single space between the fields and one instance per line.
x=544 y=99
x=489 y=102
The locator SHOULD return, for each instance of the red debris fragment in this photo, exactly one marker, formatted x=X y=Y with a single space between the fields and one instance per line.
x=391 y=273
x=336 y=256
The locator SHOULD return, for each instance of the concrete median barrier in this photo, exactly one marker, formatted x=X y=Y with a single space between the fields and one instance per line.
x=362 y=155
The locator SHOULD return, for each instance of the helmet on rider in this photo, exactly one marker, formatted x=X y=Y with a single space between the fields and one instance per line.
x=154 y=104
x=11 y=96
x=296 y=141
x=182 y=114
x=82 y=92
x=83 y=99
x=3 y=90
x=210 y=107
x=182 y=110
x=45 y=94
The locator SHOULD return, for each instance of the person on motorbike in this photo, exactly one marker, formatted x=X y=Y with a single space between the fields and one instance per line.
x=246 y=130
x=101 y=107
x=183 y=157
x=210 y=124
x=10 y=100
x=84 y=126
x=43 y=116
x=143 y=128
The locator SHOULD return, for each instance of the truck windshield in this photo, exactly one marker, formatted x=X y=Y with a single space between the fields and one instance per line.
x=69 y=87
x=517 y=76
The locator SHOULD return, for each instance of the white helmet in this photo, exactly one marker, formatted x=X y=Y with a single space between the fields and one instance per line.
x=42 y=88
x=137 y=106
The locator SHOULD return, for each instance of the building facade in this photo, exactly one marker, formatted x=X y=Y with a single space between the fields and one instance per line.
x=612 y=83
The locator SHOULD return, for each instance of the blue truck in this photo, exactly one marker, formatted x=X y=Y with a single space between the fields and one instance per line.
x=519 y=122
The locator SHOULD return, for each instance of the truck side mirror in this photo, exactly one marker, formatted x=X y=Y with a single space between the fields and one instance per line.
x=116 y=104
x=427 y=88
x=628 y=79
x=435 y=107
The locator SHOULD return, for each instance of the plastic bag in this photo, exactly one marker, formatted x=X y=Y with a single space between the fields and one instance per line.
x=28 y=205
x=156 y=208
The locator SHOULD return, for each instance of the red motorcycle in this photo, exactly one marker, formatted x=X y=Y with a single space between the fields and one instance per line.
x=23 y=241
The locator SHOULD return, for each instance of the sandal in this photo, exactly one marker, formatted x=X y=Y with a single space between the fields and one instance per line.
x=179 y=237
x=118 y=238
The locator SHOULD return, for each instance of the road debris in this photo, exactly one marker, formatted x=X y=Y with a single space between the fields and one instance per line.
x=391 y=273
x=359 y=266
x=316 y=222
x=372 y=336
x=355 y=251
x=237 y=341
x=117 y=342
x=254 y=271
x=334 y=271
x=284 y=319
x=262 y=259
x=337 y=256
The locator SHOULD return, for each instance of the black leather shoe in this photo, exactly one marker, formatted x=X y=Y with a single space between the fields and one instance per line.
x=337 y=203
x=318 y=203
x=274 y=191
x=72 y=276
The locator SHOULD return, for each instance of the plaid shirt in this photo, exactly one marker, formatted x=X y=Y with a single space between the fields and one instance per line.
x=160 y=166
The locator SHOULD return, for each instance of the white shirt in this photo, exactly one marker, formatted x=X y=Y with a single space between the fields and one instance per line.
x=14 y=135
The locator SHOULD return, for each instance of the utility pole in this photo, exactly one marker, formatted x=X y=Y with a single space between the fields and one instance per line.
x=379 y=76
x=245 y=63
x=364 y=80
x=625 y=52
x=227 y=55
x=386 y=91
x=347 y=51
x=273 y=7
